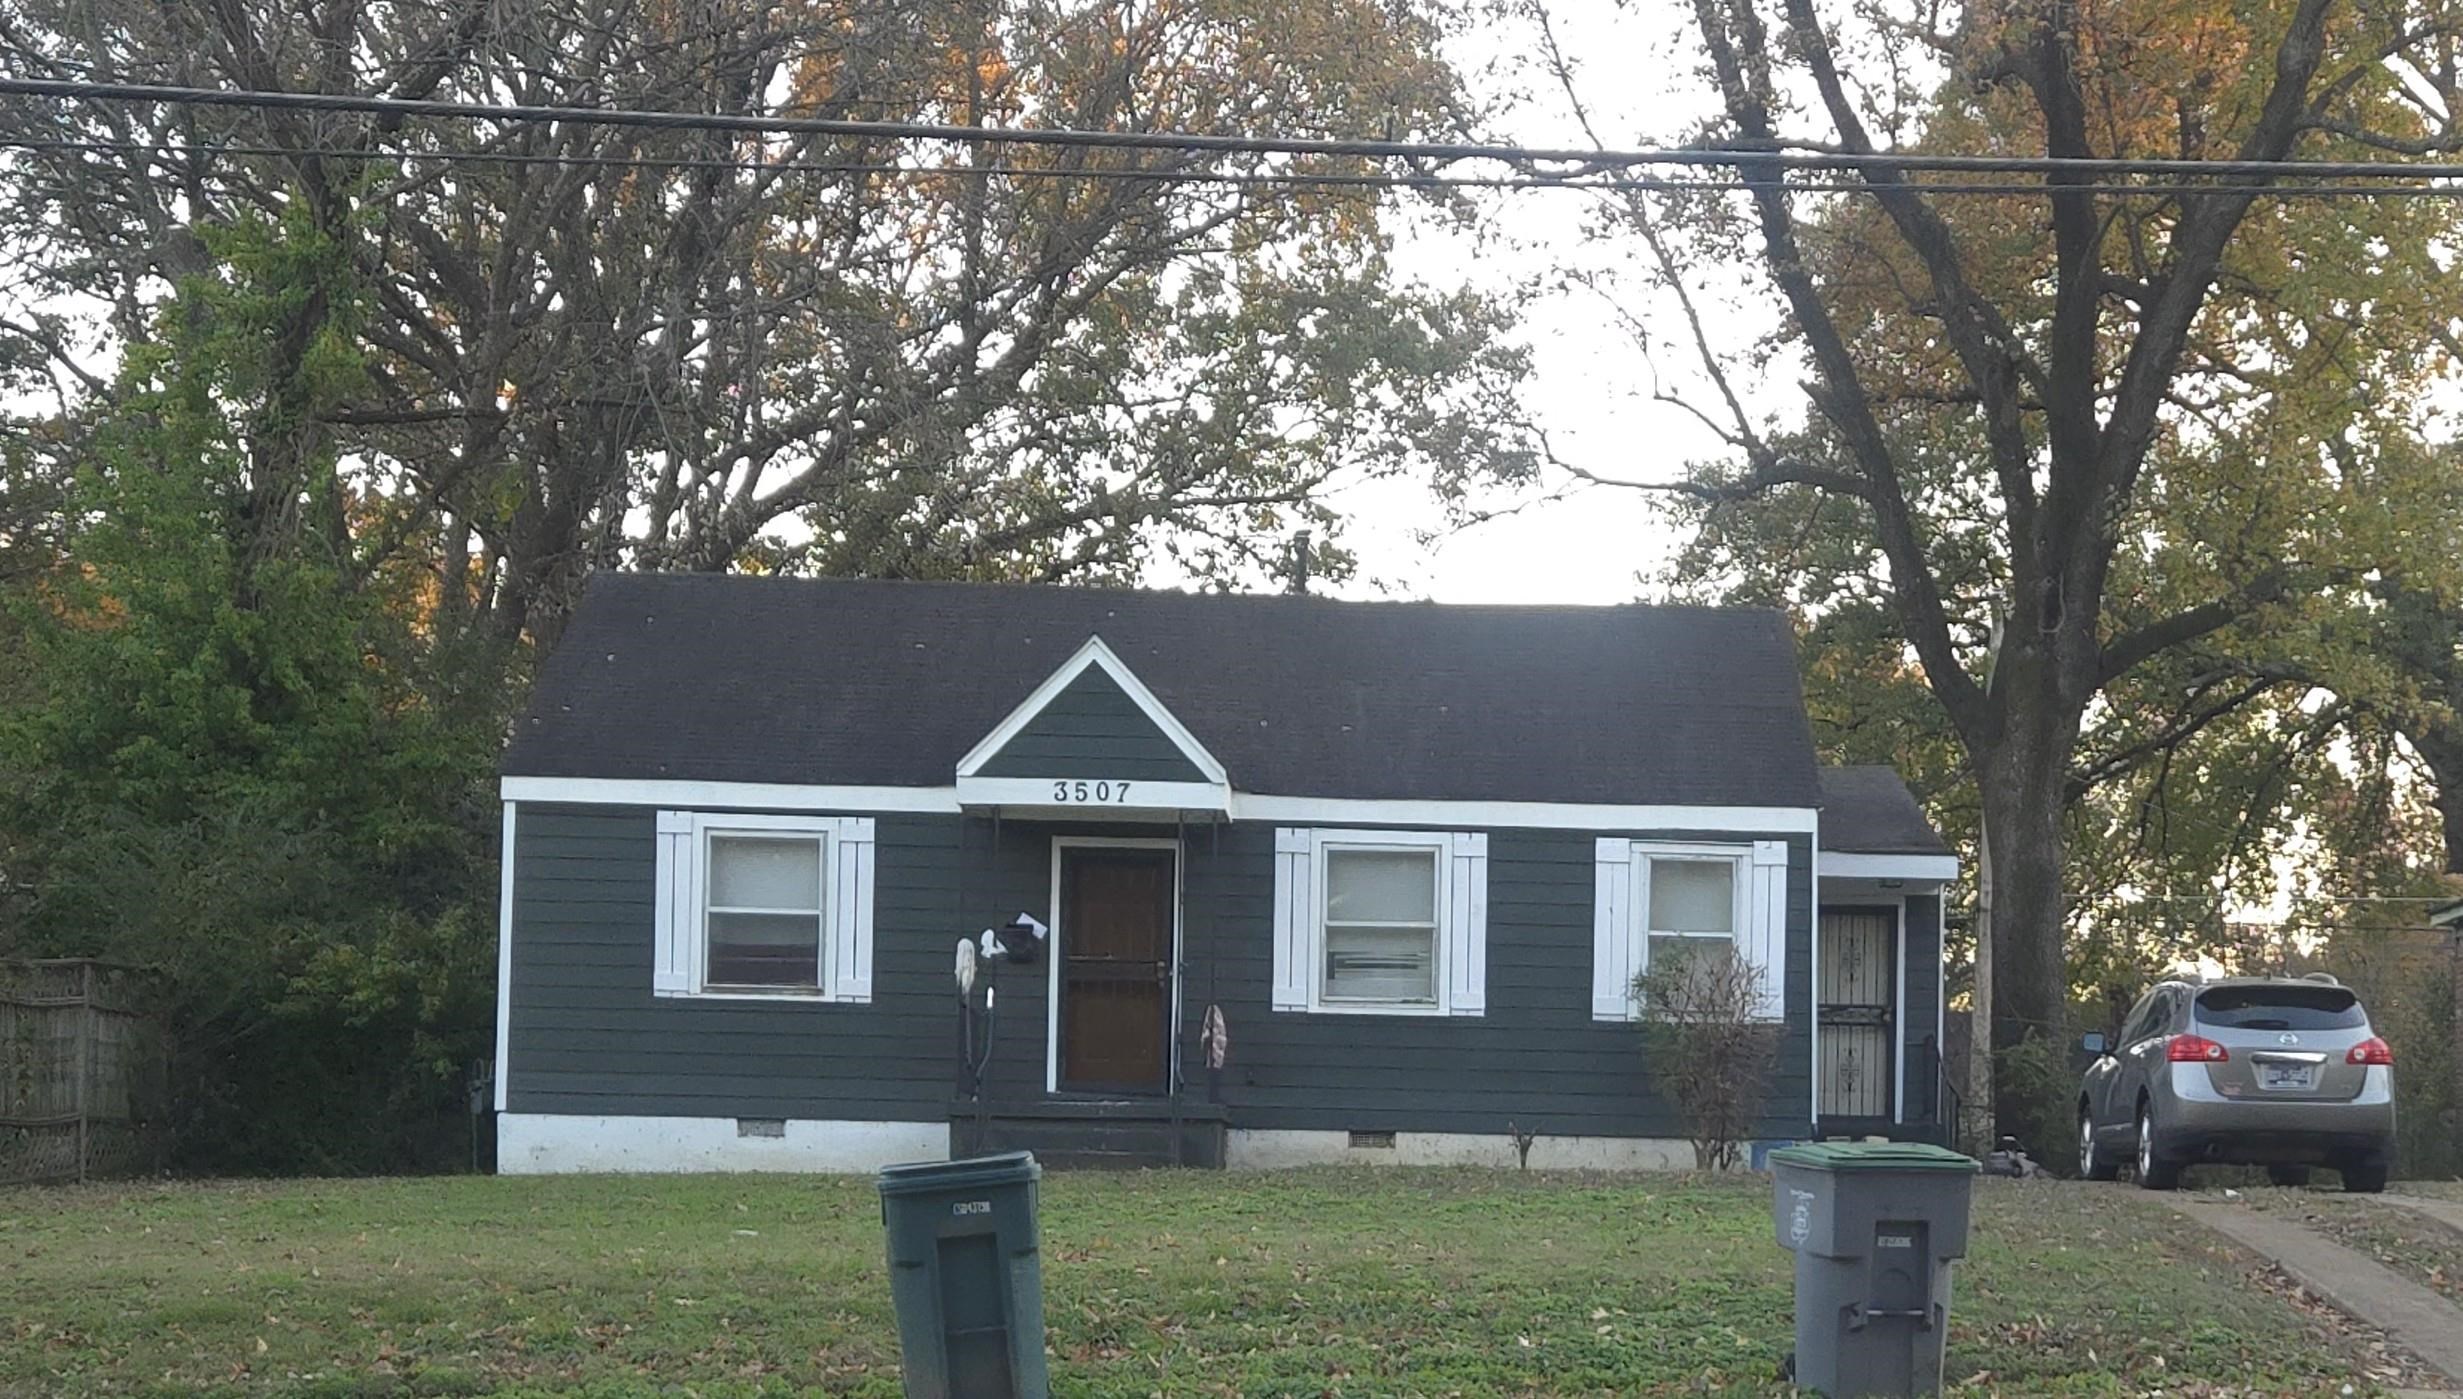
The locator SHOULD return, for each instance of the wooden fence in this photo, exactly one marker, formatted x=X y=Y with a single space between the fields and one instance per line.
x=82 y=1073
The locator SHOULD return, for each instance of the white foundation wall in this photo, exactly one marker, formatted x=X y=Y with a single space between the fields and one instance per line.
x=530 y=1144
x=1264 y=1150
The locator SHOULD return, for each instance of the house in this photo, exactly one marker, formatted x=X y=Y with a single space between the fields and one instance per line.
x=1411 y=855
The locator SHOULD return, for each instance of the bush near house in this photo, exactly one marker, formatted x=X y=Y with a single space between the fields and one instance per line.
x=1709 y=1048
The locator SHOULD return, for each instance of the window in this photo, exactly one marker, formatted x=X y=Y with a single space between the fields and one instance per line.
x=1693 y=903
x=764 y=907
x=2141 y=1019
x=2319 y=1007
x=762 y=927
x=1381 y=922
x=1659 y=898
x=1381 y=925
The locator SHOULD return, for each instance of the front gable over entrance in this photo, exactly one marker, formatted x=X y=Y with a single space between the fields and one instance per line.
x=1092 y=721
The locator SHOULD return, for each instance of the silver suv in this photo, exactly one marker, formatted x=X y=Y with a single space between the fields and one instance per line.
x=2279 y=1072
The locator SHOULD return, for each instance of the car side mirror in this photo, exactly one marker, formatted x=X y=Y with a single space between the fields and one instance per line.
x=2093 y=1042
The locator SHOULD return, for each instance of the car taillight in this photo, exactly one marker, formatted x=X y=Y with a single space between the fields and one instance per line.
x=2370 y=1051
x=2195 y=1049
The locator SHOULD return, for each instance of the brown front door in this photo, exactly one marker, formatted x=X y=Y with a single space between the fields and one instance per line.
x=1115 y=974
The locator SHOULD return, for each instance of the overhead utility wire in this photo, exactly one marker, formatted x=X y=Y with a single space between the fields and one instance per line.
x=1724 y=157
x=1675 y=184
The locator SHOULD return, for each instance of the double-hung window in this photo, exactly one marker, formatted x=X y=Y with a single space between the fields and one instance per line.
x=764 y=907
x=1660 y=899
x=1381 y=943
x=1695 y=904
x=1381 y=922
x=762 y=916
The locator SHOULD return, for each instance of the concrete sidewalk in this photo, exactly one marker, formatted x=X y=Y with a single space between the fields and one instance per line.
x=2415 y=1318
x=2446 y=1212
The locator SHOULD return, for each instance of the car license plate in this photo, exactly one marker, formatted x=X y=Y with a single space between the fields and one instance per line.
x=2287 y=1076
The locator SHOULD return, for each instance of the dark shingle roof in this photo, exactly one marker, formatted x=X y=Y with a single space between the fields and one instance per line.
x=1869 y=811
x=728 y=678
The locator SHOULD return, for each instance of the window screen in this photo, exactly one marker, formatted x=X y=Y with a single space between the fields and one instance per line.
x=764 y=912
x=1381 y=926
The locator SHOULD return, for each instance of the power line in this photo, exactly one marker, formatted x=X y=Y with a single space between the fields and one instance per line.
x=1288 y=179
x=1579 y=160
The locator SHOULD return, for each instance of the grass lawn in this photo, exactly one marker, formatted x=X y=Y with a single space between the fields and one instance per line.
x=1315 y=1283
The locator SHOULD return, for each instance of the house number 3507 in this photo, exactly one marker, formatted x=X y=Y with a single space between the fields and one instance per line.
x=1114 y=792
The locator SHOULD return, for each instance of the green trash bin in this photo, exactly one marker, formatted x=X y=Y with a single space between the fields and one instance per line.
x=966 y=1273
x=1874 y=1226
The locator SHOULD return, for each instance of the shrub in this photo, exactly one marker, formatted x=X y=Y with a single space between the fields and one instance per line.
x=1710 y=1048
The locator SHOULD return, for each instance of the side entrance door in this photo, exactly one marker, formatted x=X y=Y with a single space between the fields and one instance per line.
x=1115 y=973
x=1857 y=988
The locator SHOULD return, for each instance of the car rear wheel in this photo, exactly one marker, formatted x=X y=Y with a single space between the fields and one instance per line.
x=2092 y=1163
x=2288 y=1175
x=2154 y=1172
x=2366 y=1177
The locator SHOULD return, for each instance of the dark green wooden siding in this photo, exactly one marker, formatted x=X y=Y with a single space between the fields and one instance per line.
x=1093 y=729
x=588 y=1037
x=1537 y=1058
x=1921 y=1017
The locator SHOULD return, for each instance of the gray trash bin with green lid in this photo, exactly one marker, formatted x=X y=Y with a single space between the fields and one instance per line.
x=1874 y=1226
x=966 y=1273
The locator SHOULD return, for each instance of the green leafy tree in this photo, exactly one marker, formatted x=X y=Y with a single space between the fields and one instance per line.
x=614 y=346
x=228 y=773
x=2083 y=429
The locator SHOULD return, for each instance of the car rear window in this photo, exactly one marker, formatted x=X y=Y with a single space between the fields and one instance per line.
x=2281 y=1008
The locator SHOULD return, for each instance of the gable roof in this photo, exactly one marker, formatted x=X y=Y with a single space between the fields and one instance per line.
x=843 y=682
x=1093 y=685
x=1867 y=810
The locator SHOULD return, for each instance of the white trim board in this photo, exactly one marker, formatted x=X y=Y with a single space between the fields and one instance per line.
x=1089 y=797
x=1245 y=806
x=1270 y=1149
x=687 y=794
x=1053 y=977
x=1094 y=654
x=504 y=957
x=1492 y=815
x=532 y=1144
x=1898 y=1027
x=1838 y=864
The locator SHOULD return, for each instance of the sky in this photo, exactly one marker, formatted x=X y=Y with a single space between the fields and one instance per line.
x=1590 y=387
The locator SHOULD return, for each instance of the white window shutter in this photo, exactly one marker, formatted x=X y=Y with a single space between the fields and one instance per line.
x=1294 y=920
x=1612 y=936
x=669 y=973
x=851 y=910
x=1765 y=943
x=1466 y=926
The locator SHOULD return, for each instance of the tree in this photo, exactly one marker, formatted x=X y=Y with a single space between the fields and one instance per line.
x=2151 y=418
x=607 y=346
x=227 y=771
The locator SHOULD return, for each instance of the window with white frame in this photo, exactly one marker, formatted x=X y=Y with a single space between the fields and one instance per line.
x=1694 y=903
x=1655 y=899
x=1380 y=925
x=1381 y=922
x=764 y=906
